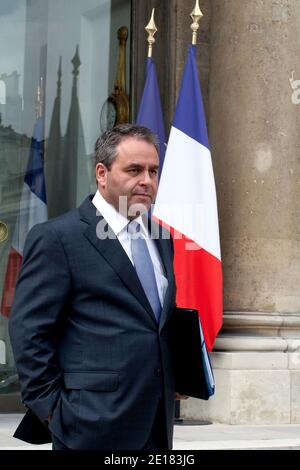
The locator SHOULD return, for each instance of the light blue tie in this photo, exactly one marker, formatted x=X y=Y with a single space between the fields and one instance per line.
x=144 y=267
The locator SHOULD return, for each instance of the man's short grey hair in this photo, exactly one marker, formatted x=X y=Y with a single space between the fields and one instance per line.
x=106 y=145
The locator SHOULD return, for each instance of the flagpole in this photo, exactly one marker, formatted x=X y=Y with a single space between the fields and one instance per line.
x=150 y=112
x=151 y=30
x=196 y=16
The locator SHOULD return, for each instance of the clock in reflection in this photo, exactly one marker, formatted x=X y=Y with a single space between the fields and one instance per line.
x=3 y=232
x=108 y=115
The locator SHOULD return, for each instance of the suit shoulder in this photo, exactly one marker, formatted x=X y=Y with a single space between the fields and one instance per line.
x=65 y=222
x=60 y=226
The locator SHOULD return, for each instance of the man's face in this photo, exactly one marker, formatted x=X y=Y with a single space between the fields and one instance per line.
x=134 y=174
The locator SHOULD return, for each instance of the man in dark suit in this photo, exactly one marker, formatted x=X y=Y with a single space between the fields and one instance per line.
x=91 y=320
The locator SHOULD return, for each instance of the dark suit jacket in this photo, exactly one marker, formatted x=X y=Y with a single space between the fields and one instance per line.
x=86 y=343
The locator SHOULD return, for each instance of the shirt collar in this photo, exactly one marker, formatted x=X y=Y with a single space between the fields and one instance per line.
x=115 y=220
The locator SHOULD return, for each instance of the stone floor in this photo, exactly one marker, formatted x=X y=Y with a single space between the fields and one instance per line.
x=189 y=437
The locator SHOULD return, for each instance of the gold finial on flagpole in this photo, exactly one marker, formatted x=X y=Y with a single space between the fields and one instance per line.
x=196 y=16
x=151 y=30
x=39 y=99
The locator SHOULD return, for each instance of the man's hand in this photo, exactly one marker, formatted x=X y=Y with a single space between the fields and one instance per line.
x=180 y=397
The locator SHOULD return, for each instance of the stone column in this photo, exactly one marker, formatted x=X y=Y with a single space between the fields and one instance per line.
x=255 y=138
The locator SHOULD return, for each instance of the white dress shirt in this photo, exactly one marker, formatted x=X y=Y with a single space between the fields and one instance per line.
x=118 y=223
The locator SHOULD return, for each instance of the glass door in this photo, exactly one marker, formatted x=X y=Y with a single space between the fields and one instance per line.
x=58 y=66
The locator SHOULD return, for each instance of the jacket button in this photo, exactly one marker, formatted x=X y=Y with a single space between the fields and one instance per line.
x=158 y=371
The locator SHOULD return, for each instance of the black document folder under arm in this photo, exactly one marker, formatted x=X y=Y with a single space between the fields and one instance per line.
x=193 y=371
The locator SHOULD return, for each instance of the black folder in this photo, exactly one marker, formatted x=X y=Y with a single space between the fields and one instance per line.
x=193 y=371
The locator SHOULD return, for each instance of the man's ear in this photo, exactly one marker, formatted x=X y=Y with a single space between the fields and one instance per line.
x=101 y=175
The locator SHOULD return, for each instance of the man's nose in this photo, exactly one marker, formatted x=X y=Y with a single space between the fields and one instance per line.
x=146 y=179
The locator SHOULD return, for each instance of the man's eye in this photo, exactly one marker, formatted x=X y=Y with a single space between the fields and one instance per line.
x=153 y=172
x=133 y=171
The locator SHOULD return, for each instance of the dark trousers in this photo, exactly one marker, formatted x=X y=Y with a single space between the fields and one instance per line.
x=57 y=444
x=158 y=437
x=156 y=441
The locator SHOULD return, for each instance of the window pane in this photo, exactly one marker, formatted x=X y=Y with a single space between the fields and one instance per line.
x=68 y=50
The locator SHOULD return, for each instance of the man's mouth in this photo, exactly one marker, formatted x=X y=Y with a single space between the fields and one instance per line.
x=142 y=195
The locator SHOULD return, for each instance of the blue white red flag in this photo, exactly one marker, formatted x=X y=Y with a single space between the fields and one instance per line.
x=33 y=210
x=186 y=202
x=150 y=112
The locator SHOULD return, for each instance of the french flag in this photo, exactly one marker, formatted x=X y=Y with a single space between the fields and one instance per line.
x=33 y=210
x=186 y=202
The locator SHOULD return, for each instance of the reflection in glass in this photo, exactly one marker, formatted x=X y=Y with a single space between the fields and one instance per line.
x=70 y=45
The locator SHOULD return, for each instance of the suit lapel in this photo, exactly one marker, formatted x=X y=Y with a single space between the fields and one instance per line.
x=160 y=236
x=112 y=251
x=163 y=249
